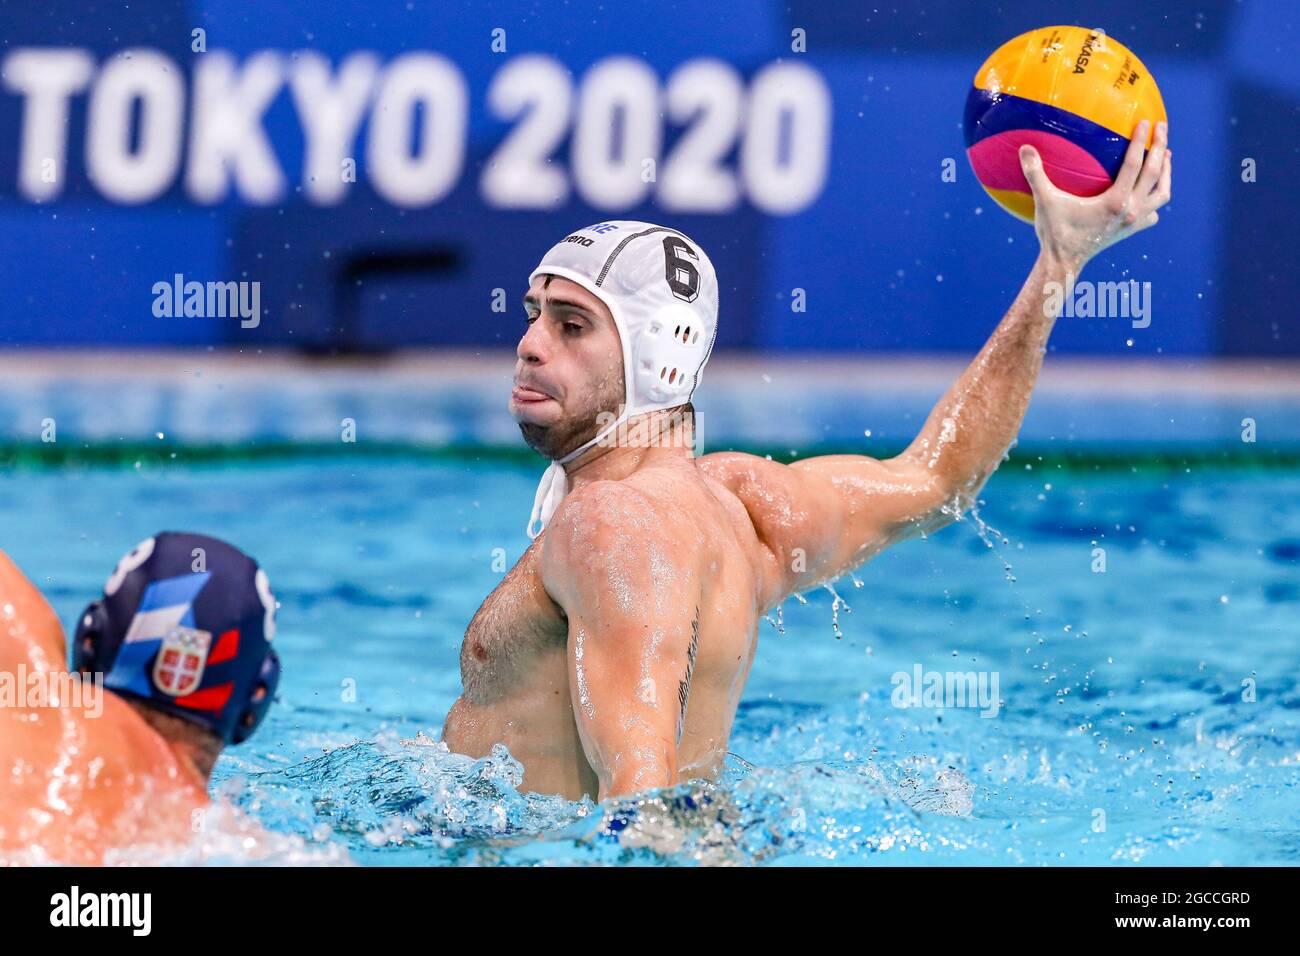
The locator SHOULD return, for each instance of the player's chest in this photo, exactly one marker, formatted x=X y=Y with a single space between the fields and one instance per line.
x=516 y=623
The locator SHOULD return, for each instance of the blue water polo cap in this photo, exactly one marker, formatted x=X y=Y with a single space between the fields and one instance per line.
x=185 y=625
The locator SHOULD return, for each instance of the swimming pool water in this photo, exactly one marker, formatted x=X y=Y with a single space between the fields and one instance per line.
x=1150 y=713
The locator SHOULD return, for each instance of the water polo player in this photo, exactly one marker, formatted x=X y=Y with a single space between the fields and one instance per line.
x=181 y=642
x=612 y=657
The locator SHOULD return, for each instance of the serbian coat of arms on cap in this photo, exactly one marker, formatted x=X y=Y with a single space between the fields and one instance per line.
x=181 y=659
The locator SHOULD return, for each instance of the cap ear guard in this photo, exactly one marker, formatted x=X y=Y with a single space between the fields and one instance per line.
x=93 y=649
x=670 y=352
x=260 y=698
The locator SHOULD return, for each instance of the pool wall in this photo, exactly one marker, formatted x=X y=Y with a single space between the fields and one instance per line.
x=792 y=404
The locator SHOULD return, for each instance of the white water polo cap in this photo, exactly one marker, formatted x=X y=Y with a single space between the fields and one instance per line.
x=662 y=291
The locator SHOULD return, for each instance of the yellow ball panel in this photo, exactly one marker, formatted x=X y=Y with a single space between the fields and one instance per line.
x=1020 y=205
x=1080 y=70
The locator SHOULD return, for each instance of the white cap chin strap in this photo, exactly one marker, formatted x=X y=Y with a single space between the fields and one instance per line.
x=555 y=481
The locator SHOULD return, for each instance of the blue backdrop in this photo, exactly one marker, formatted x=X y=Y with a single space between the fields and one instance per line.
x=889 y=256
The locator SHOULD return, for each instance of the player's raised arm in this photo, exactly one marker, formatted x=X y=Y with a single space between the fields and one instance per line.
x=828 y=514
x=633 y=618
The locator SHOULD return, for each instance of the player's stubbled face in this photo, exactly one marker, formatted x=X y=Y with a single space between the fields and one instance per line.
x=570 y=367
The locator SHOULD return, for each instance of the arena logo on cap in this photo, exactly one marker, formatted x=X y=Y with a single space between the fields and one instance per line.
x=181 y=660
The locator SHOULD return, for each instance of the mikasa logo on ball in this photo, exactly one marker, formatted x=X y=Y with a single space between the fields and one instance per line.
x=1081 y=64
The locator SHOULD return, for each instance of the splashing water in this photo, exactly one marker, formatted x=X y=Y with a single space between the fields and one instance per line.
x=223 y=836
x=836 y=603
x=779 y=621
x=987 y=533
x=414 y=796
x=412 y=793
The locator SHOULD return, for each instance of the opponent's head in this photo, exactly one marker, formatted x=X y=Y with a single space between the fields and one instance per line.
x=184 y=628
x=658 y=290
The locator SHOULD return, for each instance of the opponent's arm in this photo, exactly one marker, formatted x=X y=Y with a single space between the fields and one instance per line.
x=842 y=509
x=633 y=612
x=29 y=629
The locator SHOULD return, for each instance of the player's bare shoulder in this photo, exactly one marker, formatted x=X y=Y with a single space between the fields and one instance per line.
x=594 y=523
x=30 y=631
x=772 y=493
x=599 y=509
x=785 y=515
x=660 y=520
